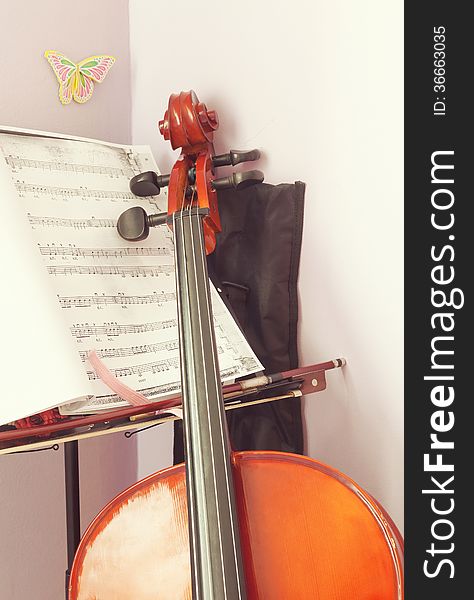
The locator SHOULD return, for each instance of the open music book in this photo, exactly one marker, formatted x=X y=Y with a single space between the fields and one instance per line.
x=71 y=284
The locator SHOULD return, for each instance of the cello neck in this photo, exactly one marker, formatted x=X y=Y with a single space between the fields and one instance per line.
x=217 y=571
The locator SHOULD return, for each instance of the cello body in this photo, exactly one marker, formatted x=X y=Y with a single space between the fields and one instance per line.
x=307 y=533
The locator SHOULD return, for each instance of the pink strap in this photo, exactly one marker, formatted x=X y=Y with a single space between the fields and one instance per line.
x=122 y=390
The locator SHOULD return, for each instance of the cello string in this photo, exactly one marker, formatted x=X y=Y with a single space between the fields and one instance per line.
x=190 y=491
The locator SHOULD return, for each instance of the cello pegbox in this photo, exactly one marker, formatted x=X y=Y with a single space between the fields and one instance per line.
x=188 y=124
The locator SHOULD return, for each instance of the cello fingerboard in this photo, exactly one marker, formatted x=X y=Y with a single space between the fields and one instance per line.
x=214 y=536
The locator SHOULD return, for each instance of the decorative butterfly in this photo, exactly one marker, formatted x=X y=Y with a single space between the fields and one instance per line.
x=77 y=81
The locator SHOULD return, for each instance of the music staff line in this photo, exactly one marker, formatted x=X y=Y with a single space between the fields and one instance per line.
x=151 y=392
x=16 y=163
x=73 y=251
x=119 y=300
x=156 y=391
x=74 y=223
x=94 y=155
x=123 y=271
x=168 y=346
x=84 y=330
x=49 y=190
x=36 y=221
x=58 y=152
x=154 y=367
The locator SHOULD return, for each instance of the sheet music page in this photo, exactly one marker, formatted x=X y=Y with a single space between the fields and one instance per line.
x=39 y=362
x=115 y=297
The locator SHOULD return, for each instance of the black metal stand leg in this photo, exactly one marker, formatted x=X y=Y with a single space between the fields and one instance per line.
x=73 y=514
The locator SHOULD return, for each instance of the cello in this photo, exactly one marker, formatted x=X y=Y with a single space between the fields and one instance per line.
x=256 y=525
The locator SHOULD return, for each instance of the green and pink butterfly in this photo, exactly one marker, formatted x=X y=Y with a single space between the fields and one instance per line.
x=77 y=81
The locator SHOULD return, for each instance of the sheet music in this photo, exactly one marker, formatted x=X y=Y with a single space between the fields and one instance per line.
x=115 y=297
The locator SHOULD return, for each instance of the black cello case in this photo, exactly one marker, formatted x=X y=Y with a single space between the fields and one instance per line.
x=256 y=264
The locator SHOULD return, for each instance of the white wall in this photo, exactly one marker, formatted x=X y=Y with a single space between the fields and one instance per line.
x=318 y=87
x=32 y=512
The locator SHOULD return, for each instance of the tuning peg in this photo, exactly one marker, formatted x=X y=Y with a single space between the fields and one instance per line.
x=148 y=183
x=238 y=181
x=235 y=157
x=134 y=224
